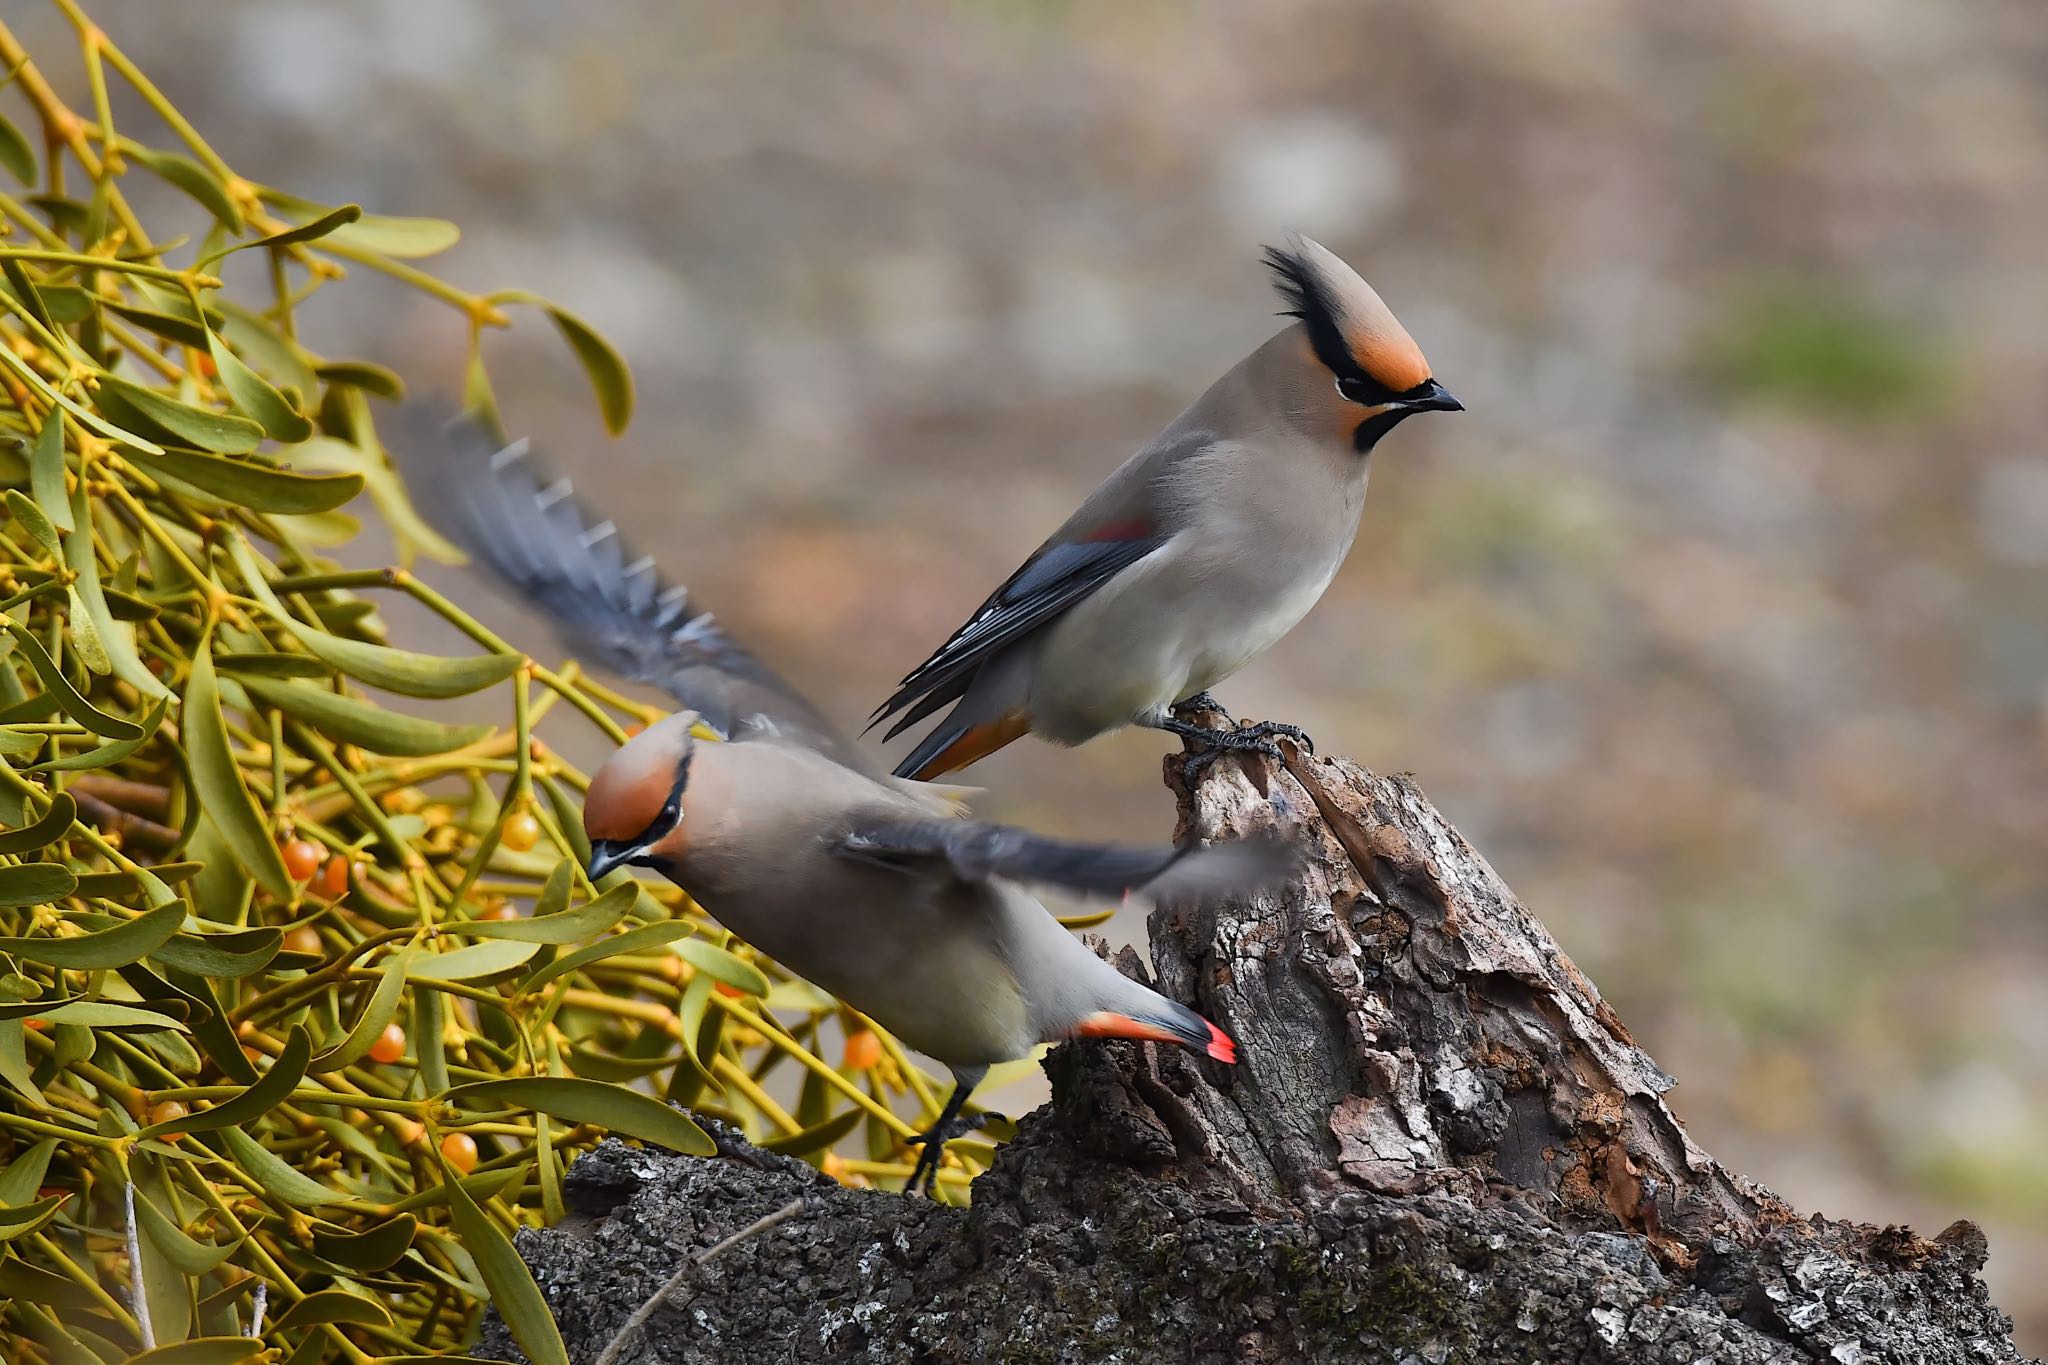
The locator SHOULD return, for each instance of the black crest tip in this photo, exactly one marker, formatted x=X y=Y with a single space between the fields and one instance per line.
x=1308 y=297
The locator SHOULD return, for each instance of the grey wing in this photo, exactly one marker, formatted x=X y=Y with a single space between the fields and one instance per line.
x=1048 y=583
x=973 y=851
x=501 y=504
x=1121 y=523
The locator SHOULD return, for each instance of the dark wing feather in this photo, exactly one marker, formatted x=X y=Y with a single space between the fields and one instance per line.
x=1049 y=582
x=610 y=606
x=972 y=852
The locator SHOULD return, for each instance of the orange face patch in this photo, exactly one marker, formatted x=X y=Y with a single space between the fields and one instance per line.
x=1385 y=351
x=629 y=791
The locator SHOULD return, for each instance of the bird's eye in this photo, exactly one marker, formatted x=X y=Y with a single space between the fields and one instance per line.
x=1358 y=390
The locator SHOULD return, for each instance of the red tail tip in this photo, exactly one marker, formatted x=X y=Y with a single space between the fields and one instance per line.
x=1220 y=1046
x=1109 y=1024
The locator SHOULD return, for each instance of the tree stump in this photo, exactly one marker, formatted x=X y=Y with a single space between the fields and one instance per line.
x=1439 y=1145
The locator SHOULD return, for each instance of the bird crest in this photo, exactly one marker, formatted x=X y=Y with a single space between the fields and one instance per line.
x=1354 y=333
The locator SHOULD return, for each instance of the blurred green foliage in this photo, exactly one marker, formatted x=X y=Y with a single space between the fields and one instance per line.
x=1805 y=346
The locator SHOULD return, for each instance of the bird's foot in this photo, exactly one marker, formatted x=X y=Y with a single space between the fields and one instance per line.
x=1204 y=700
x=1266 y=728
x=1256 y=739
x=931 y=1145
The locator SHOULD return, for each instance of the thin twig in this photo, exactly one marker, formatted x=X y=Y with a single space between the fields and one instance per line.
x=133 y=828
x=256 y=1313
x=675 y=1281
x=137 y=798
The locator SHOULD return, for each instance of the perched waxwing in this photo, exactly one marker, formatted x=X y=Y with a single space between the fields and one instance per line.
x=1197 y=554
x=870 y=886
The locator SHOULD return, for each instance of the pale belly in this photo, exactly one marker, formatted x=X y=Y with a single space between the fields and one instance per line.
x=1164 y=632
x=1228 y=650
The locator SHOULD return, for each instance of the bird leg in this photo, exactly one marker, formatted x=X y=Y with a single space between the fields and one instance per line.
x=1204 y=700
x=931 y=1143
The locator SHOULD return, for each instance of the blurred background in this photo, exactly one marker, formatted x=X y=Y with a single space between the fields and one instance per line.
x=1719 y=622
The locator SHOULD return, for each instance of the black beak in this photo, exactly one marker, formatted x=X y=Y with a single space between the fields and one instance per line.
x=607 y=857
x=1430 y=396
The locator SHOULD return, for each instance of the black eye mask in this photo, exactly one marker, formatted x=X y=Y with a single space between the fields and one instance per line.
x=606 y=854
x=672 y=810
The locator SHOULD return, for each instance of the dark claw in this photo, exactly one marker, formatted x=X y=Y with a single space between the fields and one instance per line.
x=924 y=1176
x=931 y=1149
x=1251 y=737
x=1274 y=727
x=1247 y=739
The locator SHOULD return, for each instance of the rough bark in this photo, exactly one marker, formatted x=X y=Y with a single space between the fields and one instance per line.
x=1439 y=1145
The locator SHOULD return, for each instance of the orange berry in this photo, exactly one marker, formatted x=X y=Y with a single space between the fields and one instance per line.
x=163 y=1111
x=522 y=832
x=459 y=1150
x=334 y=877
x=502 y=910
x=390 y=1044
x=635 y=728
x=863 y=1050
x=301 y=858
x=37 y=1025
x=305 y=939
x=733 y=992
